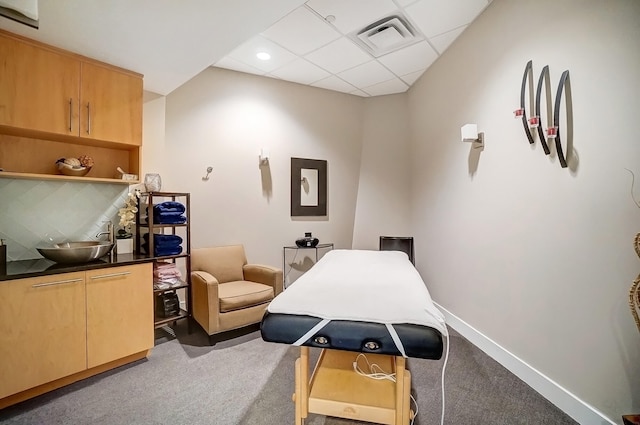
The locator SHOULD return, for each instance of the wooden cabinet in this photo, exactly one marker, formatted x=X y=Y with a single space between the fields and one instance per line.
x=111 y=105
x=119 y=312
x=57 y=103
x=58 y=329
x=39 y=88
x=42 y=330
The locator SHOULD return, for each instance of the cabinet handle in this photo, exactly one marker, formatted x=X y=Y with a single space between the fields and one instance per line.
x=59 y=282
x=88 y=118
x=104 y=276
x=70 y=114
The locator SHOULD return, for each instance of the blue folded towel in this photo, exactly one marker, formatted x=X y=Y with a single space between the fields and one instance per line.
x=159 y=251
x=169 y=206
x=160 y=240
x=167 y=214
x=169 y=219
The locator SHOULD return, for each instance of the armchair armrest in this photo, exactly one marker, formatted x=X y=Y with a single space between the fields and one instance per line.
x=266 y=275
x=204 y=292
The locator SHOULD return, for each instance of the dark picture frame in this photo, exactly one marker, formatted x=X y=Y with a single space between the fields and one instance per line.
x=298 y=167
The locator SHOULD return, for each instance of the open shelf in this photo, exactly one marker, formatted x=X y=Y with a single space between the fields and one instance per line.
x=60 y=177
x=161 y=322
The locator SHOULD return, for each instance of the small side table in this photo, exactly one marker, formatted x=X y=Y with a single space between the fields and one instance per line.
x=318 y=248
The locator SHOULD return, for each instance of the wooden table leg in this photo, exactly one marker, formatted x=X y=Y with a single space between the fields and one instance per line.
x=400 y=402
x=297 y=395
x=304 y=379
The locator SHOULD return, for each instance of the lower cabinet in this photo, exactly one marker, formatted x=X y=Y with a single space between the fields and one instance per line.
x=42 y=330
x=57 y=326
x=119 y=312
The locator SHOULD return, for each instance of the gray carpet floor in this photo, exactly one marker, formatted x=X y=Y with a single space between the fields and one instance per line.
x=244 y=380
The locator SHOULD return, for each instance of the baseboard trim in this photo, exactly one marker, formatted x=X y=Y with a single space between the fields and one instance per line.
x=580 y=411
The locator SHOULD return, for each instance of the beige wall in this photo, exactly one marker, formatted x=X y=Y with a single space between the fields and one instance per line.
x=383 y=190
x=537 y=258
x=223 y=119
x=153 y=133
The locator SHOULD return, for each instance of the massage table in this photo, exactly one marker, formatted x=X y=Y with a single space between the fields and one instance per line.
x=354 y=302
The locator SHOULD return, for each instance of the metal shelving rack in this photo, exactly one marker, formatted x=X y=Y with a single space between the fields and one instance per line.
x=145 y=224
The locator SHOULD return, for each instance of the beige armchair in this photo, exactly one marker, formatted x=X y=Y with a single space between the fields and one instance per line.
x=227 y=292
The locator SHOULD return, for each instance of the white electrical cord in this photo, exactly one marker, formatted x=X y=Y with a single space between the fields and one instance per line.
x=377 y=373
x=444 y=366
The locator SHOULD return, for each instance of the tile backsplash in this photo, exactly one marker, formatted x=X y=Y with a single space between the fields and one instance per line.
x=33 y=212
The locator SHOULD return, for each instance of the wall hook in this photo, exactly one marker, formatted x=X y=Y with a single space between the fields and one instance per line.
x=209 y=170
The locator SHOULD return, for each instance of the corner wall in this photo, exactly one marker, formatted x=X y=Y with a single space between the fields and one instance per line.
x=223 y=119
x=384 y=182
x=538 y=259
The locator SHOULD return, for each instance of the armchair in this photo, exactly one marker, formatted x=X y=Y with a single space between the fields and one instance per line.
x=227 y=292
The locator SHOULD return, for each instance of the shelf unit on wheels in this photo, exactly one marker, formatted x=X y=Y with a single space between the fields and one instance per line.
x=147 y=224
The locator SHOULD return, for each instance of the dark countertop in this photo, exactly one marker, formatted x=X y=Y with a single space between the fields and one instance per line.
x=43 y=267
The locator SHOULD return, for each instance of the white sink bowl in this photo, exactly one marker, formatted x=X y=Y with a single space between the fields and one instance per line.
x=76 y=252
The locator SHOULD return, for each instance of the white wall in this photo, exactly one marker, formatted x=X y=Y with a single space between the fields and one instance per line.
x=222 y=119
x=537 y=258
x=384 y=182
x=153 y=133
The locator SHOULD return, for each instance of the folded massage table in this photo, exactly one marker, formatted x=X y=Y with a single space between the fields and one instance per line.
x=352 y=302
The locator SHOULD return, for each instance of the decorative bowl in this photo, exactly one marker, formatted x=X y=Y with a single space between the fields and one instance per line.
x=75 y=252
x=69 y=170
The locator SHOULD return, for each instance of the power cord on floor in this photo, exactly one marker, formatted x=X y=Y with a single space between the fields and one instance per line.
x=377 y=373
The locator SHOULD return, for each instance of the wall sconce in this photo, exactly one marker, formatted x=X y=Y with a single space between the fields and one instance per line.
x=264 y=157
x=469 y=133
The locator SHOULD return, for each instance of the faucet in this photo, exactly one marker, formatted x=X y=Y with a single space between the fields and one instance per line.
x=109 y=232
x=112 y=239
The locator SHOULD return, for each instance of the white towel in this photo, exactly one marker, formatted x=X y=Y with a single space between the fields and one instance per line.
x=366 y=286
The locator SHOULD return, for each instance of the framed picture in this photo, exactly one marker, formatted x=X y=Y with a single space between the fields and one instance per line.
x=308 y=187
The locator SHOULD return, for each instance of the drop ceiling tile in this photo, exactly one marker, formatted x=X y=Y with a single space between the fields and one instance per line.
x=301 y=32
x=367 y=74
x=334 y=83
x=353 y=14
x=300 y=71
x=410 y=59
x=234 y=65
x=443 y=41
x=435 y=17
x=413 y=77
x=338 y=56
x=392 y=86
x=359 y=93
x=246 y=53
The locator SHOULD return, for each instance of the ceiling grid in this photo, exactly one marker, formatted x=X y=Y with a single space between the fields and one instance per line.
x=317 y=43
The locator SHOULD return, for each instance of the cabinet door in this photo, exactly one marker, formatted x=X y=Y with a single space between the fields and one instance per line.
x=39 y=88
x=111 y=105
x=42 y=330
x=119 y=312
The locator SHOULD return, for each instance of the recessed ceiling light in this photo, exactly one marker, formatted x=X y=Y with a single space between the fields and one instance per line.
x=263 y=56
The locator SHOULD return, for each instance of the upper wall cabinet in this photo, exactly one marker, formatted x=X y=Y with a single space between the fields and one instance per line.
x=39 y=89
x=48 y=90
x=56 y=104
x=110 y=105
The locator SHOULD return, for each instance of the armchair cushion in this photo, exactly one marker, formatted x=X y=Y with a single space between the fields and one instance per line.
x=242 y=294
x=223 y=262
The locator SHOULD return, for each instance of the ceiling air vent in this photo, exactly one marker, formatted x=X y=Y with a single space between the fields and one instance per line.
x=387 y=35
